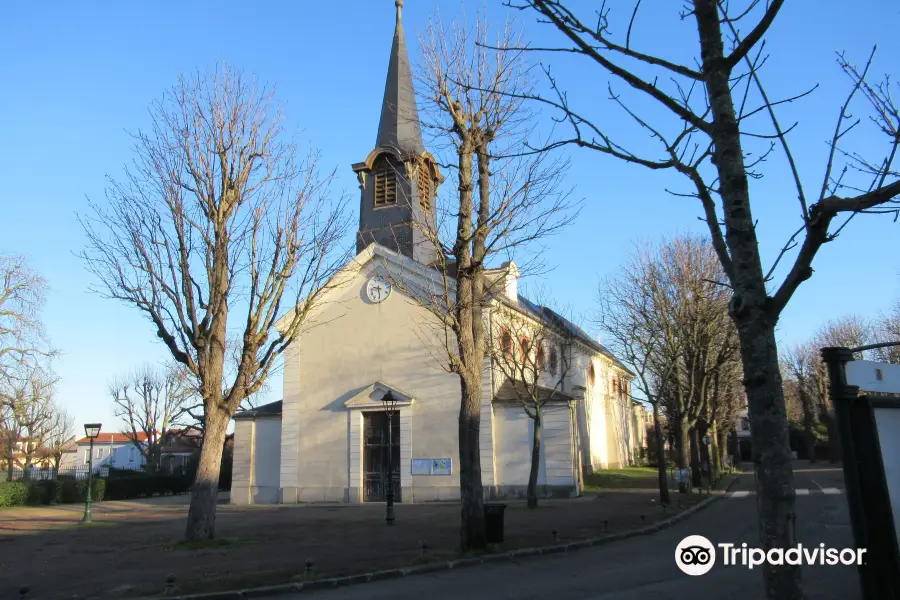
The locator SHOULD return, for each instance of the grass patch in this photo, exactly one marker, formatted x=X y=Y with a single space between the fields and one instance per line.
x=224 y=542
x=627 y=478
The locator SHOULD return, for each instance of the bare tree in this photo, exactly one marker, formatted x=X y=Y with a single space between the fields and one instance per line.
x=710 y=132
x=22 y=295
x=216 y=228
x=151 y=402
x=59 y=437
x=628 y=316
x=533 y=353
x=27 y=412
x=887 y=329
x=516 y=202
x=849 y=331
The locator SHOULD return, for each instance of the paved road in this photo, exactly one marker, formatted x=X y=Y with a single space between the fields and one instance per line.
x=644 y=567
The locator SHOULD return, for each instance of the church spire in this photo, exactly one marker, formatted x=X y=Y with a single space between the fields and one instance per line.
x=399 y=125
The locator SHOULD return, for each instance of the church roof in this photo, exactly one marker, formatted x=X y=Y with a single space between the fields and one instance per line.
x=513 y=391
x=273 y=409
x=399 y=125
x=556 y=320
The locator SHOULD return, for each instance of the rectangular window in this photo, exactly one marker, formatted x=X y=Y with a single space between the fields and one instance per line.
x=87 y=455
x=385 y=185
x=99 y=453
x=131 y=453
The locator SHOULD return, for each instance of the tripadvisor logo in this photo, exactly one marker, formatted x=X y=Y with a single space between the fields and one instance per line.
x=696 y=555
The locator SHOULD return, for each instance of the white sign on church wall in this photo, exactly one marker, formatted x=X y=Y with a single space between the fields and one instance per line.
x=432 y=466
x=883 y=380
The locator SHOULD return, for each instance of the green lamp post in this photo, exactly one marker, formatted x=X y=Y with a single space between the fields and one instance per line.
x=91 y=430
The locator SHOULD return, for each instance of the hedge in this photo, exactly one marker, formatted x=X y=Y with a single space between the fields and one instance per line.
x=124 y=485
x=33 y=493
x=13 y=493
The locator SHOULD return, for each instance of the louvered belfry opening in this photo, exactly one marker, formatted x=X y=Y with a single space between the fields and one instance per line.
x=424 y=178
x=385 y=183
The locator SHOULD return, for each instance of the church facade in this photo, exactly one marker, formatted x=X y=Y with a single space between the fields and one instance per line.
x=330 y=440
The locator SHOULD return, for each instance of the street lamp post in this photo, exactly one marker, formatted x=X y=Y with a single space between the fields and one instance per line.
x=91 y=430
x=389 y=404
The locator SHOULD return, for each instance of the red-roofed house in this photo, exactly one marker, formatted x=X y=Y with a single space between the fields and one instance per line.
x=117 y=450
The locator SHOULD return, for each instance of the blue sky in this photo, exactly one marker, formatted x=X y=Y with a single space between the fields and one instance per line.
x=77 y=77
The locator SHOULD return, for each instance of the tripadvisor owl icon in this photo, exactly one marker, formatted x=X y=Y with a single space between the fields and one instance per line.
x=695 y=555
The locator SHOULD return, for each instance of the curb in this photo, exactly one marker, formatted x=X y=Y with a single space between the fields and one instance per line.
x=320 y=584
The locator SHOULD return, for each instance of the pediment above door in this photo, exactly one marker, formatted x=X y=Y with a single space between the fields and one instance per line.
x=371 y=397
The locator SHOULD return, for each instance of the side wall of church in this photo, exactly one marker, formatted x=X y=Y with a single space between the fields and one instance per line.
x=514 y=439
x=255 y=472
x=353 y=344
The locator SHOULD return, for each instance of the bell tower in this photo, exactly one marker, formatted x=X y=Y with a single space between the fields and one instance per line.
x=398 y=180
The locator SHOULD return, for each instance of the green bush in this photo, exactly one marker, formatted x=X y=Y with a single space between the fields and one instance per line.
x=43 y=492
x=13 y=493
x=75 y=490
x=125 y=485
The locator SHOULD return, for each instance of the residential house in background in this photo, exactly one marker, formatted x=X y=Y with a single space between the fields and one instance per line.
x=114 y=449
x=118 y=450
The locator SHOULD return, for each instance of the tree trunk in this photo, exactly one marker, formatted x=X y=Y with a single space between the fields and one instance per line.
x=722 y=445
x=470 y=340
x=696 y=474
x=472 y=533
x=771 y=453
x=682 y=443
x=715 y=463
x=660 y=457
x=202 y=513
x=751 y=308
x=535 y=459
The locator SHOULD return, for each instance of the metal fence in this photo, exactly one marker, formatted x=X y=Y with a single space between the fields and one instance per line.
x=79 y=472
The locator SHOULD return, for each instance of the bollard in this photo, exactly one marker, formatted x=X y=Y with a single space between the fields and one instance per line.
x=606 y=525
x=23 y=592
x=665 y=508
x=170 y=585
x=643 y=520
x=555 y=535
x=423 y=548
x=309 y=566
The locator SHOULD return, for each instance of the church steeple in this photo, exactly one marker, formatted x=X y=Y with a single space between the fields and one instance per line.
x=398 y=180
x=399 y=125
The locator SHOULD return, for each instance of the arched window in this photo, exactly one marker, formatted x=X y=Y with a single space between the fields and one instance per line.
x=541 y=359
x=592 y=375
x=524 y=348
x=506 y=343
x=385 y=174
x=554 y=361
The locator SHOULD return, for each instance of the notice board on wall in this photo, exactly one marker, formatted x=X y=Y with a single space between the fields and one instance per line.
x=431 y=466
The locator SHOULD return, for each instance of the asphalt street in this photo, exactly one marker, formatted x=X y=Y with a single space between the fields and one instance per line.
x=644 y=566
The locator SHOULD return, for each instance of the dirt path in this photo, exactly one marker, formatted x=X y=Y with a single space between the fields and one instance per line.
x=132 y=546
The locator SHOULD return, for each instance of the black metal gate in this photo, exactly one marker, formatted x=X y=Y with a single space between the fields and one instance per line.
x=375 y=456
x=868 y=491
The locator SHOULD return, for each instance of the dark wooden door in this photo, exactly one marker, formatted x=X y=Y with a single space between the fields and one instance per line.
x=375 y=456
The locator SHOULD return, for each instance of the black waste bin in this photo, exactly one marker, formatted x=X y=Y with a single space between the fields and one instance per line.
x=493 y=523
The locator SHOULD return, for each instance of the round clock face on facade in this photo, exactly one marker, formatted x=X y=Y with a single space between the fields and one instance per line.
x=378 y=289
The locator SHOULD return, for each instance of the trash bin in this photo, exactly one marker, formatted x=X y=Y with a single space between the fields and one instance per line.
x=493 y=523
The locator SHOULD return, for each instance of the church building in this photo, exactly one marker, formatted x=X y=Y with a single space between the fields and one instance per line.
x=330 y=440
